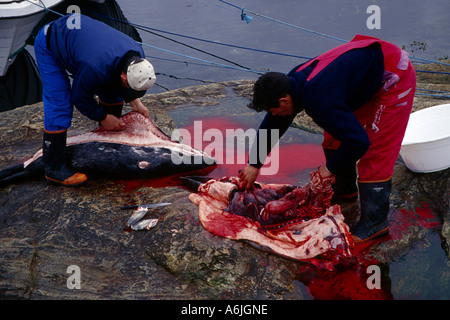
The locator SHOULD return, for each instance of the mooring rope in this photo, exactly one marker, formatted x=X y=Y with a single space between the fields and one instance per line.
x=243 y=13
x=148 y=29
x=198 y=59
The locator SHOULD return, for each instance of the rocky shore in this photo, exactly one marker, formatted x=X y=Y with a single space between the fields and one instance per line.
x=46 y=229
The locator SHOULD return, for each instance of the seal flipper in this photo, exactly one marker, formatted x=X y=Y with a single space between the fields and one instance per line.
x=19 y=172
x=8 y=172
x=193 y=182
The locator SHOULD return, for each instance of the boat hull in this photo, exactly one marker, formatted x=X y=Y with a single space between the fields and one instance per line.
x=17 y=21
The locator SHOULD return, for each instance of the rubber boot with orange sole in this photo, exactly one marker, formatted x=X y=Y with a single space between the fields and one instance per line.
x=57 y=170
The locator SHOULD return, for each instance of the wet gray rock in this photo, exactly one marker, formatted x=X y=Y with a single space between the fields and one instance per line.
x=45 y=229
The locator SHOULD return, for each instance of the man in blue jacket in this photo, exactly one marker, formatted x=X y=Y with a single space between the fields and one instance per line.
x=100 y=61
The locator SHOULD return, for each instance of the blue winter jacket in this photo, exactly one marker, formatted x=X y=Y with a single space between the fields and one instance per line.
x=92 y=54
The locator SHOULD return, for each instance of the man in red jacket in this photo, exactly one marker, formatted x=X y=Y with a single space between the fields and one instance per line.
x=361 y=94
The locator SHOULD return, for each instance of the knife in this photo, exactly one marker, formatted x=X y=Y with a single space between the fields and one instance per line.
x=148 y=206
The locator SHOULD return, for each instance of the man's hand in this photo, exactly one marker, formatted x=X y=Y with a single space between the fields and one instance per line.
x=248 y=177
x=324 y=173
x=111 y=123
x=138 y=106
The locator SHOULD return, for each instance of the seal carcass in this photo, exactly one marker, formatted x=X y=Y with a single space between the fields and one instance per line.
x=140 y=151
x=294 y=222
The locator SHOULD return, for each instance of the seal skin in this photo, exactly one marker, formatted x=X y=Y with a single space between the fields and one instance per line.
x=140 y=151
x=293 y=222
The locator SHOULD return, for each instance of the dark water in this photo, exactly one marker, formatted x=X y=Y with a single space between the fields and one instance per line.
x=403 y=22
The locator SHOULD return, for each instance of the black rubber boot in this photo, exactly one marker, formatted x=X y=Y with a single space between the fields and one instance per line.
x=373 y=223
x=345 y=188
x=56 y=168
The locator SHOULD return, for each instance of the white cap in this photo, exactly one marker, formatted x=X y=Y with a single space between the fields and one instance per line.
x=141 y=75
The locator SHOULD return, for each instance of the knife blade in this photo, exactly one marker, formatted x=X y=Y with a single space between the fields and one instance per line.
x=148 y=206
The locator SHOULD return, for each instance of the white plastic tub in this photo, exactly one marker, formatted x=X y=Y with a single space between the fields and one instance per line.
x=426 y=145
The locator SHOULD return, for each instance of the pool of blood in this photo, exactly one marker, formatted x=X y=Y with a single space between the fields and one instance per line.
x=290 y=165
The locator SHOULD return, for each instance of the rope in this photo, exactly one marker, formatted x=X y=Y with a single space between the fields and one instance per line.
x=192 y=63
x=437 y=91
x=15 y=53
x=437 y=72
x=193 y=48
x=44 y=7
x=433 y=95
x=148 y=29
x=201 y=60
x=281 y=22
x=431 y=61
x=43 y=4
x=311 y=31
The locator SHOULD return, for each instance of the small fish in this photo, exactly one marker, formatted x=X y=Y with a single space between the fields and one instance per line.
x=144 y=224
x=137 y=215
